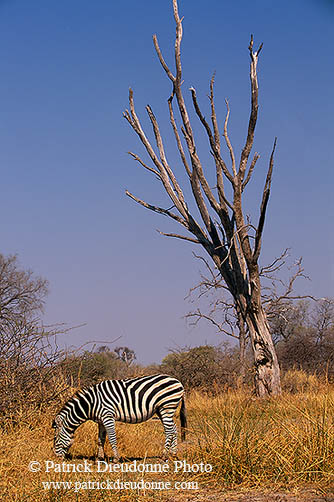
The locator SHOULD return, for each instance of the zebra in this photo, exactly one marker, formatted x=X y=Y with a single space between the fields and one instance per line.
x=132 y=400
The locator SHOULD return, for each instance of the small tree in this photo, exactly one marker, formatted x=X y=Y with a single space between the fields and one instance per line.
x=305 y=336
x=22 y=295
x=205 y=367
x=226 y=234
x=89 y=368
x=29 y=355
x=125 y=354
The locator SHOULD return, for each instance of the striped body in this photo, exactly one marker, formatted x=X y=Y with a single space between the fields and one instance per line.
x=132 y=400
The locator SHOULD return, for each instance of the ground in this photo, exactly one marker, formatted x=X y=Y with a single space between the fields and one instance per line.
x=302 y=496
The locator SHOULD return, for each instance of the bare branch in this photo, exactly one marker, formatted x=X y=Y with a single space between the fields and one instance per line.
x=138 y=159
x=178 y=79
x=182 y=237
x=214 y=115
x=190 y=225
x=196 y=189
x=161 y=59
x=95 y=342
x=251 y=169
x=177 y=136
x=180 y=198
x=224 y=203
x=157 y=209
x=198 y=315
x=265 y=198
x=162 y=166
x=276 y=264
x=213 y=145
x=227 y=139
x=214 y=281
x=254 y=110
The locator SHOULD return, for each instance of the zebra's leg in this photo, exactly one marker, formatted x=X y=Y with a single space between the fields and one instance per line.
x=166 y=417
x=109 y=425
x=101 y=441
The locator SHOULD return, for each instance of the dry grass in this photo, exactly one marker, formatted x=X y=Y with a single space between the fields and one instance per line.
x=276 y=444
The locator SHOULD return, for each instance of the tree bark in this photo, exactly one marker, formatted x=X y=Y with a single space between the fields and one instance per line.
x=267 y=372
x=266 y=366
x=242 y=345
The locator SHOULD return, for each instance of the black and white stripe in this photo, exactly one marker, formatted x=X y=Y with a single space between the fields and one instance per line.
x=132 y=400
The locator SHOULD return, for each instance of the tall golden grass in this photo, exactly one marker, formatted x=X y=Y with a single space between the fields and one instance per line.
x=282 y=443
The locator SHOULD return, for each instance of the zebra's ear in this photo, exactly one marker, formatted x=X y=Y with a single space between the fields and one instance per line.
x=57 y=422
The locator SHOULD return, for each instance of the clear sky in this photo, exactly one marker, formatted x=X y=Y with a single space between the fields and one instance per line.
x=65 y=70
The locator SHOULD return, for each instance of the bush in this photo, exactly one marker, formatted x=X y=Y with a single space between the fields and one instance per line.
x=90 y=368
x=205 y=367
x=29 y=373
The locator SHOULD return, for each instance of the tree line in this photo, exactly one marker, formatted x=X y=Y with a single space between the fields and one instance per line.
x=36 y=371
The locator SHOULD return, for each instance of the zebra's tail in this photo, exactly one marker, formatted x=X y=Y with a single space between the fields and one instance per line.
x=183 y=419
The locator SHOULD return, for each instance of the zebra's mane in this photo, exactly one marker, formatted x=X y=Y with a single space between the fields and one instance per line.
x=79 y=393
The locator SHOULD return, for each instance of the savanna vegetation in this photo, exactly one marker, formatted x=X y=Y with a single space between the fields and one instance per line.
x=275 y=444
x=281 y=445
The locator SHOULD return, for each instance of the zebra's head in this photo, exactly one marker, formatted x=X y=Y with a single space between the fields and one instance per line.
x=62 y=438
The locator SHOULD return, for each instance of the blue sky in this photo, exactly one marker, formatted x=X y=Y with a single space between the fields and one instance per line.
x=65 y=70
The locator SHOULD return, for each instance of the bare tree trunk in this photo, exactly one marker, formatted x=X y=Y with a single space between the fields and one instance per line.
x=242 y=345
x=267 y=371
x=266 y=367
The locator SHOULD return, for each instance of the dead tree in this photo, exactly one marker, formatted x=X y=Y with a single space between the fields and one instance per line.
x=225 y=233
